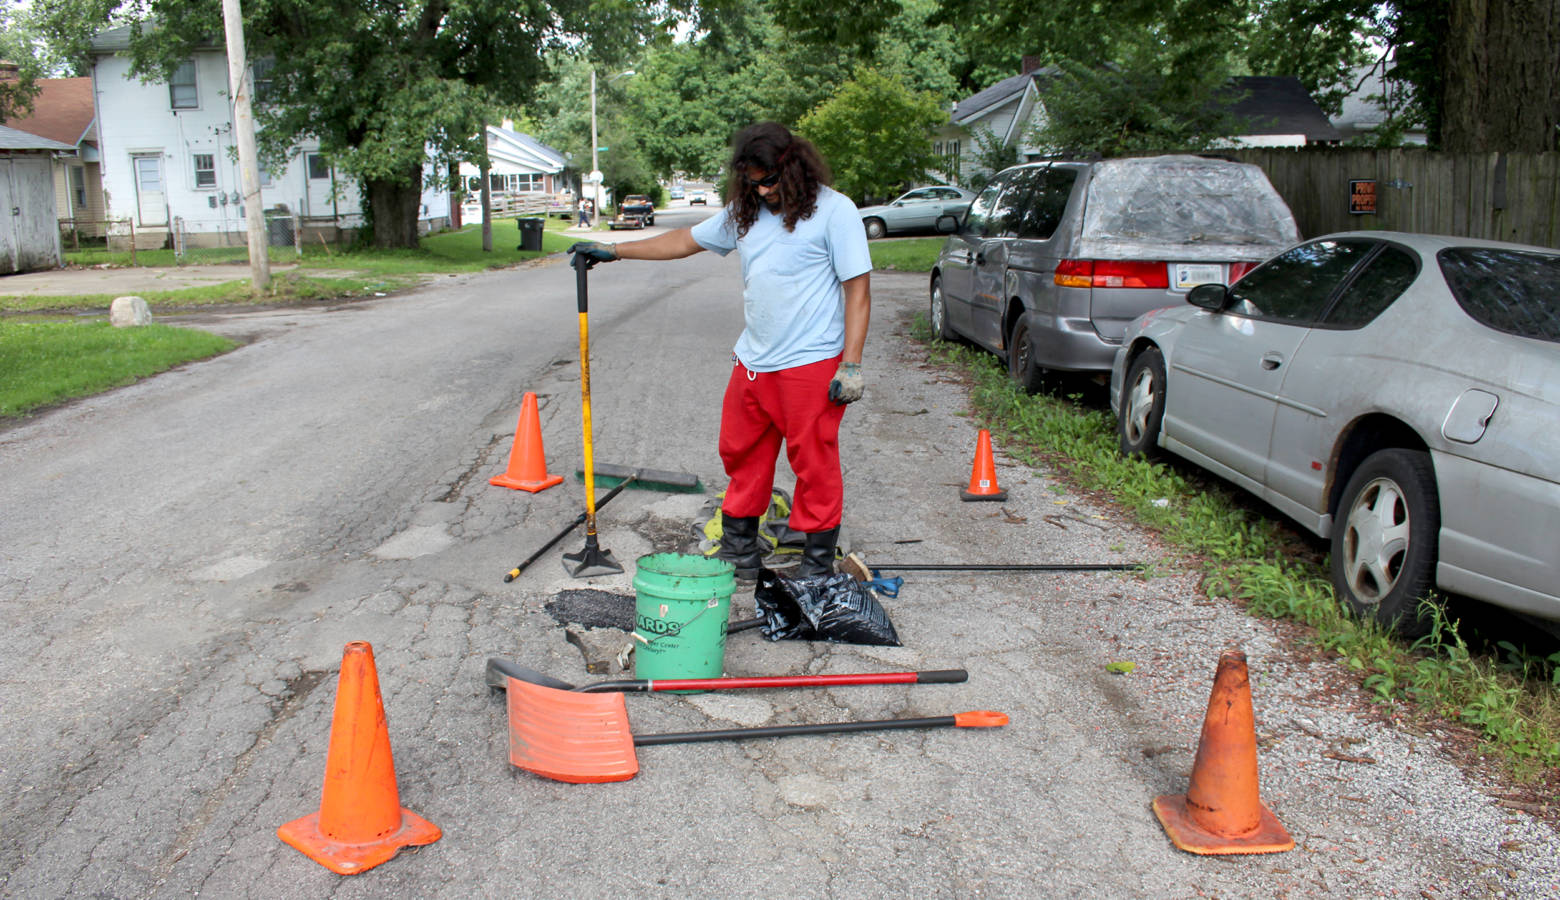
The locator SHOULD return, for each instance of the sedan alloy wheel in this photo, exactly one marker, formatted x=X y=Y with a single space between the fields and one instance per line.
x=1383 y=546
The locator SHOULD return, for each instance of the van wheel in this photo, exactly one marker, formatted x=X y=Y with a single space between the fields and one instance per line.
x=875 y=229
x=939 y=313
x=1143 y=406
x=1384 y=539
x=1022 y=367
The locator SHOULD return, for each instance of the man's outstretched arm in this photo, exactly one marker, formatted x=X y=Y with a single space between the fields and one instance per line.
x=671 y=245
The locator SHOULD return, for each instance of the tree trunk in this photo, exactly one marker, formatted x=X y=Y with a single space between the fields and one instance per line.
x=1501 y=76
x=396 y=205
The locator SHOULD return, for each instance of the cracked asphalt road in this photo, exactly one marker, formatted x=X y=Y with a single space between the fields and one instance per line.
x=182 y=561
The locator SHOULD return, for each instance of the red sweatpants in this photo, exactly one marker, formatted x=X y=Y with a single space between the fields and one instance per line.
x=762 y=409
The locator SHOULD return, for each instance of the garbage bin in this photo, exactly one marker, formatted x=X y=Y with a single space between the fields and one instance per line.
x=530 y=233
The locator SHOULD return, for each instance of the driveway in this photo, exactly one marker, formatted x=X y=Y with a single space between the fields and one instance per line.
x=184 y=559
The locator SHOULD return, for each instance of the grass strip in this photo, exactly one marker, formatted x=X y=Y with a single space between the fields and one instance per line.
x=42 y=363
x=322 y=273
x=1509 y=698
x=905 y=254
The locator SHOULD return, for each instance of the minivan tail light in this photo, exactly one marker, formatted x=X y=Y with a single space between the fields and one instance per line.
x=1112 y=273
x=1075 y=273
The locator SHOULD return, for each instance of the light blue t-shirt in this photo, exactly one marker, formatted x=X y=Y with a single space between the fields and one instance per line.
x=792 y=299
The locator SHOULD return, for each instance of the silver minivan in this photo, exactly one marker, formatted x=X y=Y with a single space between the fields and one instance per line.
x=1053 y=259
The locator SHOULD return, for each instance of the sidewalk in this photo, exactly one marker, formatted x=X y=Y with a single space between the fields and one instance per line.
x=123 y=280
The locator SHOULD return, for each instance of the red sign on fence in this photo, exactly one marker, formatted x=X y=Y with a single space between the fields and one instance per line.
x=1362 y=198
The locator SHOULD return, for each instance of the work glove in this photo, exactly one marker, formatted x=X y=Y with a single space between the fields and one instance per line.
x=595 y=251
x=846 y=386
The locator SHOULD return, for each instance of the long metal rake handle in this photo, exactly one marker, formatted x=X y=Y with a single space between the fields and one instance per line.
x=1002 y=567
x=578 y=520
x=938 y=676
x=984 y=718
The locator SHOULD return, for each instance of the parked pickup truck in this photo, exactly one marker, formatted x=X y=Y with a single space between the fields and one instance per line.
x=636 y=206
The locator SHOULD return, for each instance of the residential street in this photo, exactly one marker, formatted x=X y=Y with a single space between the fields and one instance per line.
x=182 y=561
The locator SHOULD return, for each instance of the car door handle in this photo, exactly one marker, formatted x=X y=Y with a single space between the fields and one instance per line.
x=980 y=259
x=1271 y=360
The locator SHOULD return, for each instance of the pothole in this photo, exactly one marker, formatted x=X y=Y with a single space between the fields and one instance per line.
x=592 y=609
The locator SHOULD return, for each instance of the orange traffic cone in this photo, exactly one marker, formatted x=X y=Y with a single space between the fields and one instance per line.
x=361 y=822
x=527 y=463
x=983 y=477
x=1221 y=813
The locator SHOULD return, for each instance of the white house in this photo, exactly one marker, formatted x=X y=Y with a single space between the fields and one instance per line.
x=1276 y=111
x=1371 y=104
x=519 y=167
x=169 y=158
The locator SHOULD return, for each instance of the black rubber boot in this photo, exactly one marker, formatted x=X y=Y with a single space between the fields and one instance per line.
x=739 y=545
x=818 y=553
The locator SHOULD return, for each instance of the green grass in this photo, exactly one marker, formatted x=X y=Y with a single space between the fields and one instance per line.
x=42 y=363
x=1510 y=698
x=906 y=254
x=322 y=273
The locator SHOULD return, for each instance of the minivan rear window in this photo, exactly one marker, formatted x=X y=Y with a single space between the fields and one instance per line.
x=1515 y=291
x=1185 y=200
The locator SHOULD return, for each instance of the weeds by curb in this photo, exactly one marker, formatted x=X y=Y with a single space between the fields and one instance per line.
x=1512 y=699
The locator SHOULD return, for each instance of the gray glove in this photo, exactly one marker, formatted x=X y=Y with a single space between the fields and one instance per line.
x=595 y=251
x=847 y=384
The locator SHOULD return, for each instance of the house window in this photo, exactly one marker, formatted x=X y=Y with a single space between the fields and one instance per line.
x=78 y=186
x=318 y=167
x=181 y=88
x=205 y=170
x=530 y=181
x=262 y=73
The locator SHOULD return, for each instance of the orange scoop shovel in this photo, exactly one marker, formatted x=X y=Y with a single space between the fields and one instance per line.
x=584 y=738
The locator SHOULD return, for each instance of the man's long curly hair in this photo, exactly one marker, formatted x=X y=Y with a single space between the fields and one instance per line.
x=771 y=147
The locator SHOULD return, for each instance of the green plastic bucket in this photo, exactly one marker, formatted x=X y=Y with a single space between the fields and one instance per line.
x=680 y=611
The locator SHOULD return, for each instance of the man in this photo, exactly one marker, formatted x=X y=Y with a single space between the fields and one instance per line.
x=806 y=303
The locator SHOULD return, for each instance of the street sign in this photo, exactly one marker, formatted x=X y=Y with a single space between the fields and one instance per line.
x=601 y=149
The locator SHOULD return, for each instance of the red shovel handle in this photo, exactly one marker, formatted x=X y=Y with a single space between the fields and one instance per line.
x=941 y=676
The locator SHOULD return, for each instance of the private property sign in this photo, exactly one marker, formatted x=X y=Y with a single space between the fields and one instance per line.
x=1362 y=198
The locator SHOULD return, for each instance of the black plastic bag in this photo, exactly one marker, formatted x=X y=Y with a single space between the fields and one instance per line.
x=834 y=608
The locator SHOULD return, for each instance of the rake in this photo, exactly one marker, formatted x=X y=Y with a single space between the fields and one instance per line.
x=584 y=738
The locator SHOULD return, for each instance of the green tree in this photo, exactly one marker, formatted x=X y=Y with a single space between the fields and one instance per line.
x=383 y=84
x=18 y=48
x=875 y=134
x=992 y=155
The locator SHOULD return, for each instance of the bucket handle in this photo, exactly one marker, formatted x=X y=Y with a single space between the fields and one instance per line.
x=714 y=602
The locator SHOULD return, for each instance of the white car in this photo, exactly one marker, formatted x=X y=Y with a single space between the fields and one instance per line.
x=1398 y=394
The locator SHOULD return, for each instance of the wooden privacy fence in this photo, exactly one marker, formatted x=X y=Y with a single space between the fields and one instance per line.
x=1499 y=196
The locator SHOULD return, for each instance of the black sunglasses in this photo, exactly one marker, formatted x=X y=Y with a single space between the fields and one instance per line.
x=768 y=181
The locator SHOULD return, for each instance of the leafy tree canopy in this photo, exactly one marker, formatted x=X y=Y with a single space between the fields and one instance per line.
x=381 y=83
x=873 y=132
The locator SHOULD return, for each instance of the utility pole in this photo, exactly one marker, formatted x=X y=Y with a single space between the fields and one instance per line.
x=239 y=87
x=595 y=167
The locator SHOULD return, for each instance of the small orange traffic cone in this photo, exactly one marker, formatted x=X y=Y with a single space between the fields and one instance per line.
x=1221 y=812
x=983 y=477
x=527 y=463
x=360 y=823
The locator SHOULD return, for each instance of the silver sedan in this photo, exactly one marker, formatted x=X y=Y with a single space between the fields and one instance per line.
x=916 y=210
x=1398 y=394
